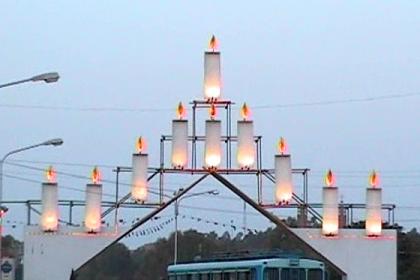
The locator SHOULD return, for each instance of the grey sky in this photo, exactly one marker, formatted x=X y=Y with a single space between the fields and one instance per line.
x=133 y=54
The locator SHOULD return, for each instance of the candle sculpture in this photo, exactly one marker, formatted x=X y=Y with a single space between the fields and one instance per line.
x=212 y=73
x=49 y=216
x=373 y=206
x=213 y=132
x=139 y=183
x=93 y=203
x=283 y=175
x=246 y=145
x=180 y=139
x=330 y=206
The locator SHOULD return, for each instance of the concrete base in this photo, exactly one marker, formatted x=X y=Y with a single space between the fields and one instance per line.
x=54 y=255
x=361 y=257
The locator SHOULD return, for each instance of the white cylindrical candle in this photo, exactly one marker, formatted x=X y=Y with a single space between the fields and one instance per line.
x=93 y=208
x=330 y=210
x=212 y=75
x=139 y=184
x=373 y=211
x=283 y=176
x=49 y=216
x=246 y=146
x=179 y=143
x=213 y=147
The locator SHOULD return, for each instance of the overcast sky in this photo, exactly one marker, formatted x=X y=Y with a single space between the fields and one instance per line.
x=135 y=56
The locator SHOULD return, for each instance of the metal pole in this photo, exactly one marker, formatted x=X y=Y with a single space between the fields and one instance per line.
x=176 y=232
x=28 y=213
x=176 y=204
x=117 y=186
x=15 y=83
x=71 y=212
x=49 y=142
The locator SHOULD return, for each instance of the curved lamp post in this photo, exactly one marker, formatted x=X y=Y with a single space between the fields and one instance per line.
x=50 y=77
x=211 y=192
x=3 y=210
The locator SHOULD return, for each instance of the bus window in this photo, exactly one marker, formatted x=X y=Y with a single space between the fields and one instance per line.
x=229 y=276
x=293 y=274
x=204 y=276
x=244 y=275
x=216 y=276
x=172 y=277
x=271 y=274
x=314 y=274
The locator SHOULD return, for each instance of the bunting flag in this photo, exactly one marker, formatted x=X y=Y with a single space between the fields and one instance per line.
x=155 y=228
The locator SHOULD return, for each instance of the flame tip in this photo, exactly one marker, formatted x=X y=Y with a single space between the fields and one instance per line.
x=282 y=145
x=329 y=178
x=212 y=111
x=245 y=111
x=140 y=144
x=50 y=174
x=181 y=112
x=213 y=44
x=96 y=174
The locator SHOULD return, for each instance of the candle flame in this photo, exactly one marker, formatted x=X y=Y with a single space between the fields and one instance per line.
x=213 y=44
x=212 y=111
x=50 y=174
x=96 y=175
x=140 y=145
x=374 y=179
x=329 y=178
x=282 y=145
x=181 y=111
x=245 y=112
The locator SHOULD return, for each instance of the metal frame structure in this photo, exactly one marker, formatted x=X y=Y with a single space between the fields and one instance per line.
x=226 y=183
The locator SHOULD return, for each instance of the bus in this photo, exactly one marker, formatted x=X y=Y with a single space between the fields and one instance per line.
x=250 y=268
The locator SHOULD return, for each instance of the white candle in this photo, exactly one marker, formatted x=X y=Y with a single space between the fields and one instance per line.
x=246 y=145
x=212 y=144
x=139 y=187
x=212 y=72
x=49 y=215
x=283 y=175
x=330 y=206
x=374 y=207
x=179 y=154
x=93 y=204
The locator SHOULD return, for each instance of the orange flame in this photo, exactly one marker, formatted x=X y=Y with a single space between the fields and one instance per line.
x=245 y=112
x=374 y=179
x=96 y=175
x=141 y=145
x=181 y=111
x=212 y=111
x=50 y=174
x=329 y=179
x=213 y=44
x=282 y=145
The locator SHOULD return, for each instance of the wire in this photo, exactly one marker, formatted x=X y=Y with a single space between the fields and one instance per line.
x=83 y=177
x=338 y=101
x=267 y=106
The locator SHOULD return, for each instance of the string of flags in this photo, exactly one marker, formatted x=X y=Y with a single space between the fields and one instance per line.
x=13 y=224
x=154 y=228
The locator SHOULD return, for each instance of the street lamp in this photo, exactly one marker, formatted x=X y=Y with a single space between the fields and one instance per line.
x=50 y=77
x=211 y=192
x=51 y=142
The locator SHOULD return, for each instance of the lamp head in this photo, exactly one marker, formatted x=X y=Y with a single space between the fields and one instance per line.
x=50 y=77
x=54 y=142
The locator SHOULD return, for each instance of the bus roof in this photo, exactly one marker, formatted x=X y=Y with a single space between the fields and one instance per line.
x=246 y=264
